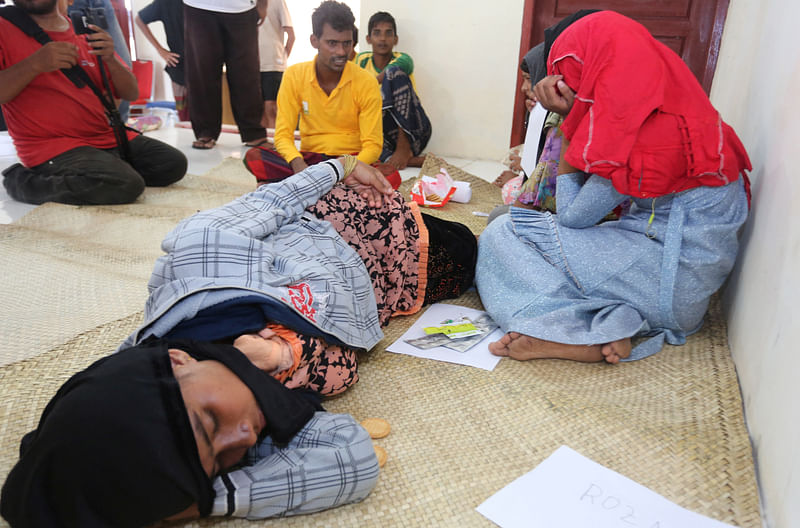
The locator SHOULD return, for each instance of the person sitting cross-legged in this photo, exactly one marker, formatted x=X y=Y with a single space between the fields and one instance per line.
x=173 y=429
x=338 y=104
x=406 y=127
x=638 y=128
x=303 y=273
x=189 y=422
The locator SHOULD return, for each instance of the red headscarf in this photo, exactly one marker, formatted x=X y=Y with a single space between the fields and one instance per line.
x=640 y=118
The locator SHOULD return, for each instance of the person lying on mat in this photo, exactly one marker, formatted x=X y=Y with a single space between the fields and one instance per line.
x=338 y=104
x=173 y=429
x=212 y=407
x=303 y=273
x=69 y=152
x=637 y=125
x=406 y=127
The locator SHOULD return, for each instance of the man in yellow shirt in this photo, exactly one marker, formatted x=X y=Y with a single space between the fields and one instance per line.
x=338 y=104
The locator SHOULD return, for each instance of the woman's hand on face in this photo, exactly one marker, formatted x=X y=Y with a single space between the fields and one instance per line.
x=370 y=183
x=261 y=349
x=554 y=94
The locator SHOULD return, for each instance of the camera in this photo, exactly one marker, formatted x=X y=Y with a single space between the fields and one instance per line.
x=81 y=19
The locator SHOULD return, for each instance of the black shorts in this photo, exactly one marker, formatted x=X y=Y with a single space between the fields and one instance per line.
x=270 y=82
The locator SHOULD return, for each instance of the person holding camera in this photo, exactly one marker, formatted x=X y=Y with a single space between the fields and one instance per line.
x=68 y=135
x=106 y=10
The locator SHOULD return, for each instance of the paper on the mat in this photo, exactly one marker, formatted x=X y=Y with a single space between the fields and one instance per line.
x=570 y=491
x=477 y=356
x=535 y=124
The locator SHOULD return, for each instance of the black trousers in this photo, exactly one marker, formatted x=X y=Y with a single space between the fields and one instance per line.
x=92 y=176
x=213 y=39
x=452 y=255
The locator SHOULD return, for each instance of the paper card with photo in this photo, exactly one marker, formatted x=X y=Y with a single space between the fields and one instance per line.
x=474 y=354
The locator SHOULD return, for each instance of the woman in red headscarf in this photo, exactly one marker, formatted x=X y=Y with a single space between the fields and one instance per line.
x=637 y=125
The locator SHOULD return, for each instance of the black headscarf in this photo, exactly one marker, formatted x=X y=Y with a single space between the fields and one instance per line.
x=115 y=447
x=552 y=33
x=534 y=61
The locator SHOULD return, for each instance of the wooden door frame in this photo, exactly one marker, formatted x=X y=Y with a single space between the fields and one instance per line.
x=518 y=118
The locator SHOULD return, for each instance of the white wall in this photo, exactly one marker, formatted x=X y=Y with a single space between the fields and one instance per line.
x=465 y=67
x=300 y=11
x=755 y=88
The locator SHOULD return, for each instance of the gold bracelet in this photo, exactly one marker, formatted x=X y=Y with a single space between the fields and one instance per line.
x=348 y=164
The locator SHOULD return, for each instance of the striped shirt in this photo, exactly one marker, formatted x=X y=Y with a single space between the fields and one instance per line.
x=330 y=462
x=264 y=243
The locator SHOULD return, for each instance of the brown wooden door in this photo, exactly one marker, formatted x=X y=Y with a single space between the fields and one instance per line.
x=692 y=28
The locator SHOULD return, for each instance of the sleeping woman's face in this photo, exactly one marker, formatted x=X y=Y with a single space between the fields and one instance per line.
x=225 y=417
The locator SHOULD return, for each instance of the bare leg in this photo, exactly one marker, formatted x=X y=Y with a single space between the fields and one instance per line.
x=522 y=348
x=270 y=114
x=504 y=178
x=402 y=152
x=416 y=161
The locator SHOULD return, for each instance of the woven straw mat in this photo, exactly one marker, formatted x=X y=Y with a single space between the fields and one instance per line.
x=672 y=422
x=67 y=269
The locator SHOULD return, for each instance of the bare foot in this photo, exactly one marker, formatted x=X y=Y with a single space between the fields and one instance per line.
x=504 y=178
x=616 y=350
x=257 y=142
x=416 y=161
x=402 y=152
x=399 y=159
x=523 y=347
x=204 y=143
x=500 y=348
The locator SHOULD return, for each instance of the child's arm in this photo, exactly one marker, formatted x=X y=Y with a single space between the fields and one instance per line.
x=171 y=58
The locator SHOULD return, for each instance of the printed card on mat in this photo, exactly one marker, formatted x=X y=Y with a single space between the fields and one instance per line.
x=472 y=350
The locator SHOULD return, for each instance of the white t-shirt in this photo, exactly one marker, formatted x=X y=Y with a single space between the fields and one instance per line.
x=271 y=52
x=222 y=6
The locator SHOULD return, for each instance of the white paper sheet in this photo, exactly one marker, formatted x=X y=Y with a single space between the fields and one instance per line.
x=567 y=490
x=534 y=132
x=477 y=356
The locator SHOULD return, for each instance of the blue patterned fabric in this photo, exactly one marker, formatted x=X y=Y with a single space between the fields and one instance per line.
x=330 y=462
x=567 y=279
x=402 y=110
x=265 y=244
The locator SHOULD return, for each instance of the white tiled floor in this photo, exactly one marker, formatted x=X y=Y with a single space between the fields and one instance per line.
x=10 y=209
x=201 y=161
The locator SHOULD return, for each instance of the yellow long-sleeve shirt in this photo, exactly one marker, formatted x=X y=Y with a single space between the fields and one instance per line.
x=349 y=120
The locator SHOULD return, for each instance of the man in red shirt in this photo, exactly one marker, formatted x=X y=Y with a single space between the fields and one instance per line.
x=67 y=148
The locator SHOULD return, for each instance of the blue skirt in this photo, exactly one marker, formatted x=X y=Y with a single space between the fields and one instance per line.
x=616 y=279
